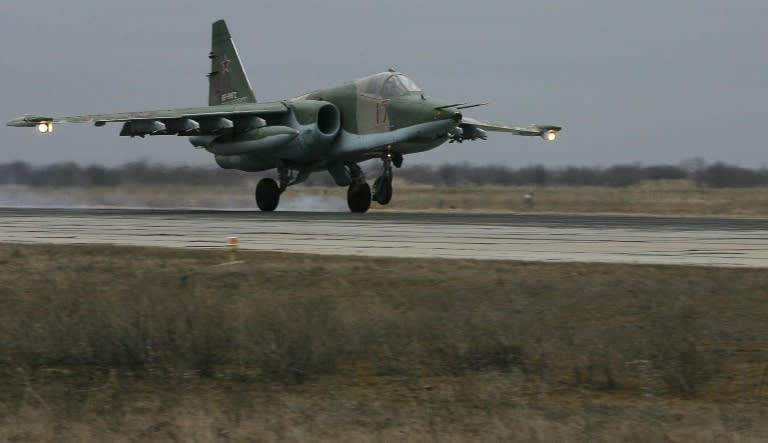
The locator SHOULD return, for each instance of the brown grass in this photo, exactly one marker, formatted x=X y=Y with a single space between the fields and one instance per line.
x=143 y=344
x=671 y=197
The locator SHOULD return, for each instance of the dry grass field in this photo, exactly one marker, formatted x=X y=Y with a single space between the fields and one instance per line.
x=671 y=197
x=101 y=343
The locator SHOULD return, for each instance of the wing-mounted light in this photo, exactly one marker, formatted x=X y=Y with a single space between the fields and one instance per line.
x=45 y=127
x=549 y=133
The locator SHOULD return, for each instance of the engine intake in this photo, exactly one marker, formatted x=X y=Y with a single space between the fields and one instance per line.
x=320 y=121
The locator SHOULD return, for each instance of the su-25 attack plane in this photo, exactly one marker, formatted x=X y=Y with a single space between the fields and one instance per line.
x=382 y=116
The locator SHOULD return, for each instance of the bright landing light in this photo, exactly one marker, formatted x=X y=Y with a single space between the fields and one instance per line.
x=45 y=127
x=550 y=136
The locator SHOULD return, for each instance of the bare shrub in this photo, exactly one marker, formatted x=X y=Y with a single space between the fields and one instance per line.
x=676 y=354
x=296 y=342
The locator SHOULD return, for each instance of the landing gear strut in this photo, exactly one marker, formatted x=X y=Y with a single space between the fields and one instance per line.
x=268 y=191
x=382 y=187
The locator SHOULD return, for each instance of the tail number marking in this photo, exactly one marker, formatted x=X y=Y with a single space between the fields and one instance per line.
x=229 y=96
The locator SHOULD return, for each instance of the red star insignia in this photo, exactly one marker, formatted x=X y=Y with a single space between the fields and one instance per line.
x=225 y=64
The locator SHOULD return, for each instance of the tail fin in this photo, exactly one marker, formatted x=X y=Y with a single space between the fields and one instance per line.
x=228 y=83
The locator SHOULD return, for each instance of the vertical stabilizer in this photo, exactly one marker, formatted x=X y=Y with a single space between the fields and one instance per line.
x=228 y=83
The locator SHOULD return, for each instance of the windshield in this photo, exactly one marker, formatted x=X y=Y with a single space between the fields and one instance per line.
x=387 y=84
x=409 y=84
x=398 y=85
x=392 y=87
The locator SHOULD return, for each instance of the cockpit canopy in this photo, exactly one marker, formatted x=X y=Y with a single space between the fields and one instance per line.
x=387 y=84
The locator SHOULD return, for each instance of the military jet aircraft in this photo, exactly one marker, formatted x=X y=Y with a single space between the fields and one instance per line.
x=382 y=116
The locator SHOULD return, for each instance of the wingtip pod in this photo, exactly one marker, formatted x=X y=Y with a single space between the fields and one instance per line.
x=42 y=123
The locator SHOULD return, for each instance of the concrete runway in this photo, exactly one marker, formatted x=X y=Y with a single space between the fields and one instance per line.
x=626 y=239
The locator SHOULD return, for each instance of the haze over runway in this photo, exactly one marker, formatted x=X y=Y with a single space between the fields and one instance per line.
x=654 y=81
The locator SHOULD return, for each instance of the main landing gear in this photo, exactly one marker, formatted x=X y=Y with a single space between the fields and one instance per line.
x=382 y=187
x=267 y=194
x=359 y=197
x=268 y=191
x=359 y=194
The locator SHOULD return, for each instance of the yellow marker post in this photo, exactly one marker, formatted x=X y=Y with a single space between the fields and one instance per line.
x=232 y=248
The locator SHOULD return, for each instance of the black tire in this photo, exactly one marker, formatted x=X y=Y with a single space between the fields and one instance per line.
x=267 y=194
x=382 y=191
x=359 y=197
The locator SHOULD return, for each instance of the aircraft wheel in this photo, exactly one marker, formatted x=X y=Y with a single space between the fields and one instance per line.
x=359 y=197
x=382 y=190
x=267 y=194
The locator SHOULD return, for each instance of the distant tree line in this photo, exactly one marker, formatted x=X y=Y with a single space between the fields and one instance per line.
x=717 y=175
x=72 y=174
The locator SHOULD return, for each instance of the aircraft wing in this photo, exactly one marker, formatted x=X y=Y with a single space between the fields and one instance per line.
x=182 y=121
x=474 y=129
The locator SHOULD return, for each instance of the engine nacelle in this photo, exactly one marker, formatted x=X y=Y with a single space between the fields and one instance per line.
x=319 y=123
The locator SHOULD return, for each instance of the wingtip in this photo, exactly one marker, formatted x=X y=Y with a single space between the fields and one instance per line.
x=29 y=121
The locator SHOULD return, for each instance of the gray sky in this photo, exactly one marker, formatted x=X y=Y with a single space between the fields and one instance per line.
x=655 y=81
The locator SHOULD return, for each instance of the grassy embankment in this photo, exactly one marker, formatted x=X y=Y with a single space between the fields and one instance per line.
x=675 y=197
x=141 y=344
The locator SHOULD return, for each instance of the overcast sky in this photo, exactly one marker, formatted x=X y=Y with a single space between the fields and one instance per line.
x=656 y=81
